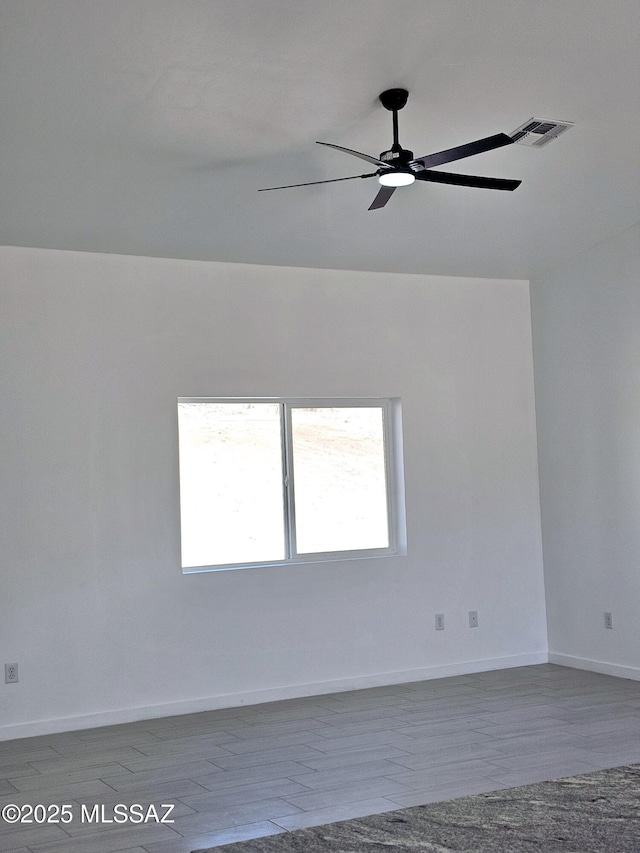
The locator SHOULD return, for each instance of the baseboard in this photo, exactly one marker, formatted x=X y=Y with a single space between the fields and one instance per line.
x=603 y=667
x=257 y=697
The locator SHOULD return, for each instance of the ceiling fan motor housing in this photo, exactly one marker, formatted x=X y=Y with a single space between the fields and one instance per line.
x=397 y=156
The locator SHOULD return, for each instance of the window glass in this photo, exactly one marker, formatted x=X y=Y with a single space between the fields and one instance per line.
x=231 y=485
x=339 y=478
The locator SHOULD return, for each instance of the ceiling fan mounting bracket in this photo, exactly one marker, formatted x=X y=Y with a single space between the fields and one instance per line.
x=394 y=99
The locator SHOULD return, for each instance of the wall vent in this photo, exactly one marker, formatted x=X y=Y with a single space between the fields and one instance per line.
x=539 y=131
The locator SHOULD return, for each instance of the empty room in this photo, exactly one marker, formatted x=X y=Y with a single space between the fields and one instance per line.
x=320 y=405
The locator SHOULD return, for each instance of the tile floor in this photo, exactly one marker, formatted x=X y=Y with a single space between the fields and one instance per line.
x=245 y=772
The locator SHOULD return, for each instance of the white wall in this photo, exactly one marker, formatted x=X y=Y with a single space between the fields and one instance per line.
x=586 y=332
x=95 y=349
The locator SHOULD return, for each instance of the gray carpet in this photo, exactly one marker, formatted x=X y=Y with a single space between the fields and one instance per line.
x=594 y=813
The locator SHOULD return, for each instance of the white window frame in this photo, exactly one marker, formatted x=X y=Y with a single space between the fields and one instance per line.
x=393 y=457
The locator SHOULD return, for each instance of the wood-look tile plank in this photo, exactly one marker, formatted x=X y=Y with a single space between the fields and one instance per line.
x=214 y=715
x=348 y=717
x=423 y=742
x=627 y=725
x=445 y=710
x=132 y=730
x=378 y=738
x=585 y=715
x=217 y=732
x=336 y=776
x=539 y=742
x=492 y=703
x=301 y=752
x=146 y=794
x=147 y=763
x=167 y=810
x=587 y=700
x=165 y=747
x=67 y=777
x=559 y=756
x=333 y=814
x=382 y=724
x=544 y=773
x=57 y=794
x=35 y=743
x=24 y=756
x=411 y=723
x=12 y=838
x=215 y=839
x=279 y=728
x=226 y=818
x=109 y=841
x=362 y=702
x=536 y=724
x=147 y=778
x=263 y=772
x=527 y=714
x=256 y=744
x=301 y=704
x=613 y=758
x=446 y=756
x=285 y=714
x=473 y=768
x=445 y=791
x=90 y=758
x=365 y=789
x=610 y=740
x=109 y=740
x=270 y=789
x=353 y=757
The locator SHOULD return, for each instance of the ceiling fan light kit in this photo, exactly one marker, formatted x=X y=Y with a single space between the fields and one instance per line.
x=396 y=178
x=397 y=167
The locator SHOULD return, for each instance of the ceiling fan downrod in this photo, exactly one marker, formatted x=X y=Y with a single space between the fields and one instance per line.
x=394 y=100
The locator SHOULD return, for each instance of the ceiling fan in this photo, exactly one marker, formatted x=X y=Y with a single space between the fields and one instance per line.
x=397 y=167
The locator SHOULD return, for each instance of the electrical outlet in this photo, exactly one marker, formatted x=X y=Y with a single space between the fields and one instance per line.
x=473 y=618
x=439 y=621
x=10 y=673
x=608 y=620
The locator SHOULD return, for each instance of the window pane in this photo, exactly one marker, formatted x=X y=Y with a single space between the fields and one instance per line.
x=231 y=498
x=340 y=482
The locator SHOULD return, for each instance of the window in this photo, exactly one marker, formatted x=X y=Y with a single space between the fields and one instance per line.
x=272 y=481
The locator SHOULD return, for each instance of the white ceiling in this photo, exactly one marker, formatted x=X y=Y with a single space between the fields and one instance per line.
x=147 y=126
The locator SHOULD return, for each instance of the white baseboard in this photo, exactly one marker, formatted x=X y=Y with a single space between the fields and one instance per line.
x=603 y=667
x=256 y=697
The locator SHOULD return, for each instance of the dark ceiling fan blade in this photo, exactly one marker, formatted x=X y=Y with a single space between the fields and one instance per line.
x=311 y=183
x=383 y=196
x=461 y=151
x=359 y=154
x=467 y=180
